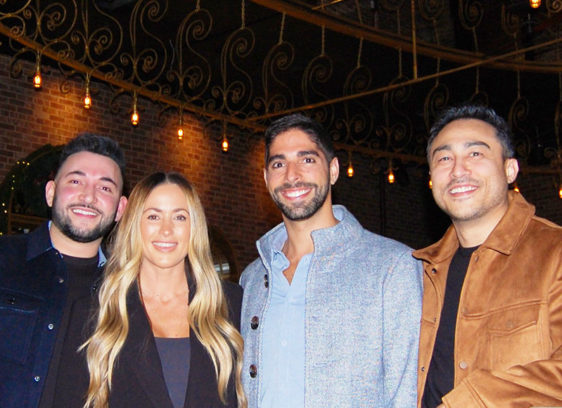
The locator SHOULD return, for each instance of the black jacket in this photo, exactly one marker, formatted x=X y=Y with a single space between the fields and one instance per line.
x=33 y=291
x=138 y=381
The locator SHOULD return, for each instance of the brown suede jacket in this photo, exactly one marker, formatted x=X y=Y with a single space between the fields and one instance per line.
x=508 y=338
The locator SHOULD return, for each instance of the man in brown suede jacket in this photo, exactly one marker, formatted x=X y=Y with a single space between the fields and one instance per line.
x=491 y=331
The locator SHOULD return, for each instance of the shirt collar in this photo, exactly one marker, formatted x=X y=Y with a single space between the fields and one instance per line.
x=101 y=256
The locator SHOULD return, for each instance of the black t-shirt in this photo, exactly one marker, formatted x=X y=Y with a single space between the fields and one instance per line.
x=441 y=374
x=82 y=273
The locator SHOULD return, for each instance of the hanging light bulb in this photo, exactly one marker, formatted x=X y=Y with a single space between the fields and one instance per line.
x=135 y=115
x=430 y=184
x=37 y=80
x=560 y=191
x=535 y=3
x=180 y=126
x=135 y=118
x=87 y=100
x=391 y=178
x=224 y=144
x=516 y=188
x=390 y=173
x=87 y=96
x=350 y=170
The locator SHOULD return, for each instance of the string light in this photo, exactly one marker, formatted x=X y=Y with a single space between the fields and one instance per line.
x=87 y=96
x=535 y=3
x=516 y=188
x=430 y=184
x=560 y=191
x=135 y=115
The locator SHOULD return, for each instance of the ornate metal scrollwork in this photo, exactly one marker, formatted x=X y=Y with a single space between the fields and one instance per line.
x=185 y=57
x=436 y=100
x=235 y=92
x=518 y=114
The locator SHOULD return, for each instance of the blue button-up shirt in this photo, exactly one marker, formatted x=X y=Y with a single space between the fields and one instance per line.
x=283 y=336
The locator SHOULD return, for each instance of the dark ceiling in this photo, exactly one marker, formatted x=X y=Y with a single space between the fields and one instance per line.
x=355 y=65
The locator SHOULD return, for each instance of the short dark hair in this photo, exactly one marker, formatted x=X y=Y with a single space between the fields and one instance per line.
x=483 y=113
x=89 y=142
x=312 y=128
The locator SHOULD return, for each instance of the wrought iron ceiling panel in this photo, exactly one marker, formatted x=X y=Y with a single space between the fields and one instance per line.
x=374 y=72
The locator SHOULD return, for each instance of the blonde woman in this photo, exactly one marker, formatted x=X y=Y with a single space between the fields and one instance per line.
x=166 y=331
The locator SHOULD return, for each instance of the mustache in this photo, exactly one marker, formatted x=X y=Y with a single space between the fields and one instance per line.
x=462 y=180
x=88 y=206
x=299 y=184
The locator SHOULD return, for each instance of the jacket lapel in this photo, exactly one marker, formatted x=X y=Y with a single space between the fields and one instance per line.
x=140 y=357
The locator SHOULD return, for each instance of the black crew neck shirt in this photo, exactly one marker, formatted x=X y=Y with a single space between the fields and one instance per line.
x=441 y=374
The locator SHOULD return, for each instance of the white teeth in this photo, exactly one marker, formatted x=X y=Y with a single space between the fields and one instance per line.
x=164 y=244
x=297 y=193
x=83 y=212
x=462 y=189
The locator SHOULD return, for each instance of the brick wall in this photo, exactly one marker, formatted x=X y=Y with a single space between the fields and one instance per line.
x=230 y=184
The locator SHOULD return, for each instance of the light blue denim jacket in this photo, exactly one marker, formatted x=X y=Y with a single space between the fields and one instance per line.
x=363 y=308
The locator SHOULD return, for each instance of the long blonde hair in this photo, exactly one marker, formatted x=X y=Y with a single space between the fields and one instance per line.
x=208 y=310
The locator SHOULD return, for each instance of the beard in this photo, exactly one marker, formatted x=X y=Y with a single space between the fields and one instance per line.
x=65 y=225
x=495 y=196
x=303 y=210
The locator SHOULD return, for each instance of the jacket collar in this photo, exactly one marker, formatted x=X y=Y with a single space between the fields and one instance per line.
x=139 y=353
x=504 y=238
x=326 y=240
x=141 y=358
x=40 y=243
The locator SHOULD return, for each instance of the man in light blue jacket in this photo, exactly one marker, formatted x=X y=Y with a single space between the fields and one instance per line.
x=331 y=311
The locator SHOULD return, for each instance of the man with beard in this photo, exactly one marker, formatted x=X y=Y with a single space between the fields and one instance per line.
x=331 y=311
x=47 y=271
x=491 y=331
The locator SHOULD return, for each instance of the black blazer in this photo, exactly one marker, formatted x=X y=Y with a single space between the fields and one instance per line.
x=138 y=381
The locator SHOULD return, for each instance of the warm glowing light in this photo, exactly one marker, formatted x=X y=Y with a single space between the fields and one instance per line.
x=225 y=144
x=180 y=125
x=87 y=101
x=560 y=191
x=430 y=184
x=516 y=188
x=350 y=171
x=391 y=178
x=87 y=96
x=135 y=118
x=37 y=81
x=535 y=3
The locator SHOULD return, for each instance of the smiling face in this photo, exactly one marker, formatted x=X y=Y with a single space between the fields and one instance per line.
x=165 y=228
x=469 y=173
x=298 y=176
x=85 y=197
